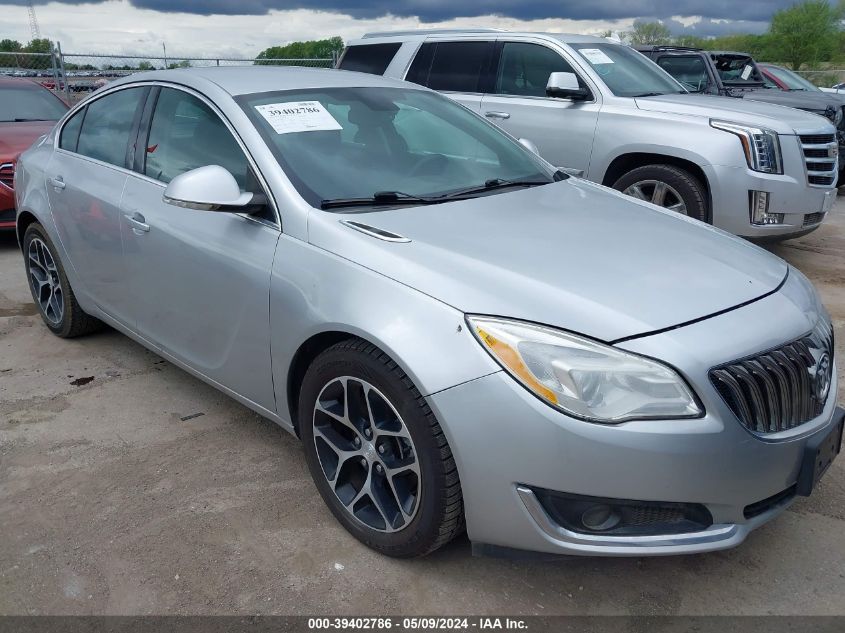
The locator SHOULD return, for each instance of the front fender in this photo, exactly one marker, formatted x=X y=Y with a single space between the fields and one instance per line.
x=314 y=291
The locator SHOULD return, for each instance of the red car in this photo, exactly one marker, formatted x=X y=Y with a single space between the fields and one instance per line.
x=27 y=110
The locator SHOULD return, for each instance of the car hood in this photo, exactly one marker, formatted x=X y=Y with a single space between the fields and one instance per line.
x=803 y=100
x=782 y=119
x=16 y=137
x=573 y=255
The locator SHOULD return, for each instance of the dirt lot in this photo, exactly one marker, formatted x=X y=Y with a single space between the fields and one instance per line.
x=114 y=500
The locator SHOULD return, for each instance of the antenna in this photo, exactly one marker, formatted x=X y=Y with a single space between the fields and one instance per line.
x=33 y=22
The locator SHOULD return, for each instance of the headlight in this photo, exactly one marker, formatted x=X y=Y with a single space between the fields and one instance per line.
x=761 y=146
x=583 y=378
x=837 y=118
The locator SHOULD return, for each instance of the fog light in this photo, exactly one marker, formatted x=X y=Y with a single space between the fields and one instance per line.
x=599 y=518
x=760 y=209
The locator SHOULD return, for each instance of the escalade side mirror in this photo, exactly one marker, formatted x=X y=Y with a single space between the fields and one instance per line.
x=566 y=86
x=209 y=188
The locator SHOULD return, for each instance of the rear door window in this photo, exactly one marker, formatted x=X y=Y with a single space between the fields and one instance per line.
x=451 y=66
x=369 y=58
x=108 y=125
x=688 y=69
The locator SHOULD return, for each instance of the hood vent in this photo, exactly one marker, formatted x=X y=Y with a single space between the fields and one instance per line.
x=372 y=231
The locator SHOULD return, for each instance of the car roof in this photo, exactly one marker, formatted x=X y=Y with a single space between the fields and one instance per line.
x=421 y=34
x=239 y=80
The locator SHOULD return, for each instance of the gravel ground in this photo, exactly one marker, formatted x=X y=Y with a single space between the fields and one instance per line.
x=113 y=500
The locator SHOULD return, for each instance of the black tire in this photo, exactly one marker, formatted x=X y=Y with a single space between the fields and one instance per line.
x=74 y=321
x=438 y=514
x=689 y=188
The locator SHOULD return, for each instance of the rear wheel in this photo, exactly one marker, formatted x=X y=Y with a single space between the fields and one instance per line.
x=376 y=452
x=51 y=289
x=666 y=186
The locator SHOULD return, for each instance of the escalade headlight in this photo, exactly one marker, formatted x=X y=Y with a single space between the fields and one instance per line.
x=761 y=146
x=584 y=378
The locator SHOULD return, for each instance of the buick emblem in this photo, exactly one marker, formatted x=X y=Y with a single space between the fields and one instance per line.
x=822 y=378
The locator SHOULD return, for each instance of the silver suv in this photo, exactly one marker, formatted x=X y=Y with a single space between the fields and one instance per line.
x=600 y=110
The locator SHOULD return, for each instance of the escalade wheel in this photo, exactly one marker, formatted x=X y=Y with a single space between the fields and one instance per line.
x=666 y=186
x=376 y=452
x=51 y=289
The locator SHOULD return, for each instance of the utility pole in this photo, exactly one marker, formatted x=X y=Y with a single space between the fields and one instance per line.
x=33 y=22
x=164 y=48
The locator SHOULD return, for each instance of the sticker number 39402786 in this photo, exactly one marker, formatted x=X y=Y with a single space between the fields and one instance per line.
x=298 y=116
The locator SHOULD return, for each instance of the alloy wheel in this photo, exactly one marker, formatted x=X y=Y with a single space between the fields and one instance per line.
x=659 y=193
x=45 y=281
x=366 y=454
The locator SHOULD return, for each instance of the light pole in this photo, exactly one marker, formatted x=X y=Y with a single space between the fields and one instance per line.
x=164 y=48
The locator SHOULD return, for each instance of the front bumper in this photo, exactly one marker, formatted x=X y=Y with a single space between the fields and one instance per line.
x=802 y=204
x=508 y=443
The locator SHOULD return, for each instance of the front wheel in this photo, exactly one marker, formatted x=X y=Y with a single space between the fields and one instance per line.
x=666 y=186
x=376 y=452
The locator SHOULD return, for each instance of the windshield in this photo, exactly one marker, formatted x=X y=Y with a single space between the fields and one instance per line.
x=352 y=143
x=29 y=104
x=737 y=69
x=626 y=72
x=792 y=80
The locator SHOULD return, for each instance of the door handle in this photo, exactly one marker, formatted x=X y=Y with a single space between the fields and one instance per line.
x=138 y=223
x=58 y=182
x=497 y=115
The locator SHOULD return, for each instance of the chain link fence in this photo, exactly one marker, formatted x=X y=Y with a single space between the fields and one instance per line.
x=74 y=75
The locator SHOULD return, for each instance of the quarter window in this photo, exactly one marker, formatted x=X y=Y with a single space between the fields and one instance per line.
x=108 y=124
x=369 y=58
x=186 y=134
x=451 y=66
x=70 y=132
x=524 y=69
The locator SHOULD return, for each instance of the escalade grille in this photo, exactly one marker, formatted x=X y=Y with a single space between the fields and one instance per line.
x=782 y=388
x=7 y=175
x=816 y=148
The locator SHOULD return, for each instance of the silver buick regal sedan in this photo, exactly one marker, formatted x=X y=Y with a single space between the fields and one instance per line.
x=461 y=336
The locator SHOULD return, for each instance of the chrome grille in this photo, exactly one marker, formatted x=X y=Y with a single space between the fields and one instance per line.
x=7 y=175
x=782 y=388
x=820 y=173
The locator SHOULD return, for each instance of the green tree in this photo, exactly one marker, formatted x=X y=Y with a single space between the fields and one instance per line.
x=805 y=33
x=145 y=65
x=312 y=49
x=649 y=33
x=11 y=46
x=183 y=64
x=42 y=45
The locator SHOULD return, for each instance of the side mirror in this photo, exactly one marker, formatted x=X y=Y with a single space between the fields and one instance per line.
x=529 y=145
x=566 y=86
x=209 y=188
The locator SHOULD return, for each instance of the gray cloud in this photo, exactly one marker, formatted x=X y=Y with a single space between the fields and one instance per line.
x=751 y=11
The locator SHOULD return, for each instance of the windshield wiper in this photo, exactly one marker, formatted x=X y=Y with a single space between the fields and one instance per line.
x=501 y=183
x=379 y=198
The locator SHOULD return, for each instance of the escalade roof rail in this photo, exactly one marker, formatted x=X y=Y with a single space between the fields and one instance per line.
x=667 y=47
x=427 y=32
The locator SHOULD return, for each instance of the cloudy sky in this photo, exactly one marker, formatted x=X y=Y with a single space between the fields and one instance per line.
x=245 y=27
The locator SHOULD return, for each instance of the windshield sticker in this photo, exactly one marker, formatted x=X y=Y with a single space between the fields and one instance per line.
x=300 y=116
x=596 y=56
x=746 y=72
